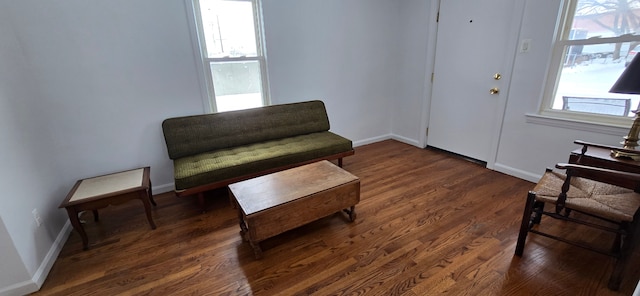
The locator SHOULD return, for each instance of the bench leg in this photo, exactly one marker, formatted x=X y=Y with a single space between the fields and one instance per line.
x=201 y=201
x=340 y=162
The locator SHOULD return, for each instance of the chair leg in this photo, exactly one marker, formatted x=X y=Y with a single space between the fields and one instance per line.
x=626 y=249
x=524 y=225
x=538 y=208
x=567 y=212
x=615 y=248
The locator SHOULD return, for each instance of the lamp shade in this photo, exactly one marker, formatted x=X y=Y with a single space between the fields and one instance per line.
x=629 y=80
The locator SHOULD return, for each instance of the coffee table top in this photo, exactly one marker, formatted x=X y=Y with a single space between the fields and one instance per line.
x=261 y=193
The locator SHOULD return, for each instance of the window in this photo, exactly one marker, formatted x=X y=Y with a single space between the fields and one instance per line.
x=595 y=42
x=232 y=53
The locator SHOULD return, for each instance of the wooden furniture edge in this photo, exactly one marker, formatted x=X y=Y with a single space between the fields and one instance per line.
x=202 y=188
x=146 y=184
x=622 y=149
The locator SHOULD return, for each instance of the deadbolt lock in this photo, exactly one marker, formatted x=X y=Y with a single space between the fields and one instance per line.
x=497 y=76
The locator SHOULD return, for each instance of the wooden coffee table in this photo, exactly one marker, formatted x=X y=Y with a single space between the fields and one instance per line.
x=99 y=192
x=272 y=204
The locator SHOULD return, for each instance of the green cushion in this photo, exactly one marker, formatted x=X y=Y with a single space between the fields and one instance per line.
x=191 y=135
x=223 y=164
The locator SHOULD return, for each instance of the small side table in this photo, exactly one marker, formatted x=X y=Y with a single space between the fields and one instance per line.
x=100 y=192
x=601 y=157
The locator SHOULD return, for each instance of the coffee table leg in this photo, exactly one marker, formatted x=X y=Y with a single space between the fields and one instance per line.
x=257 y=251
x=75 y=222
x=243 y=230
x=244 y=233
x=352 y=213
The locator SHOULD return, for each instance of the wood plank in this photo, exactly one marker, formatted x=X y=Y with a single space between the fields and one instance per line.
x=262 y=193
x=427 y=222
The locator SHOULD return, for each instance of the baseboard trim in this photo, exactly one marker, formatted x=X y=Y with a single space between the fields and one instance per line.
x=402 y=139
x=516 y=173
x=43 y=270
x=163 y=188
x=23 y=288
x=371 y=140
x=41 y=274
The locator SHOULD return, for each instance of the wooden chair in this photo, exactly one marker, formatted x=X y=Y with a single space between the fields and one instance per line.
x=600 y=193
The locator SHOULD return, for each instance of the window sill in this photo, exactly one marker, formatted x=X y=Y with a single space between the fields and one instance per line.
x=576 y=124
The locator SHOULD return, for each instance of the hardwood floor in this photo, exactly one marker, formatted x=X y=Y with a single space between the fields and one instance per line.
x=428 y=223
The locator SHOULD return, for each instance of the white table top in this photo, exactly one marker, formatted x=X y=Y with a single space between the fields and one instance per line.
x=97 y=186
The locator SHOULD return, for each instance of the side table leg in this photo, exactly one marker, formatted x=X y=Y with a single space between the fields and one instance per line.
x=147 y=207
x=75 y=222
x=150 y=193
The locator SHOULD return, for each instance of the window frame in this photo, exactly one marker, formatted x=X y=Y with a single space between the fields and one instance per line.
x=260 y=57
x=560 y=46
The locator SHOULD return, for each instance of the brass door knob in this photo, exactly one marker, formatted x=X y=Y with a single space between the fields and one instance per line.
x=494 y=90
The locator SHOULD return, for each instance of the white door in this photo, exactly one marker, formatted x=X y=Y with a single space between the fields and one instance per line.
x=473 y=45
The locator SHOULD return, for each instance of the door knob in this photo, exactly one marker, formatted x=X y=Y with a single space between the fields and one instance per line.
x=494 y=90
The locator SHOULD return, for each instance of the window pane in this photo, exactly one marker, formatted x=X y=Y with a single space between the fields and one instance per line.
x=604 y=18
x=588 y=73
x=228 y=27
x=237 y=85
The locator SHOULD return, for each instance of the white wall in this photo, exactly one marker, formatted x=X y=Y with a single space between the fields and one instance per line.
x=14 y=277
x=84 y=86
x=110 y=72
x=28 y=173
x=342 y=52
x=409 y=119
x=526 y=148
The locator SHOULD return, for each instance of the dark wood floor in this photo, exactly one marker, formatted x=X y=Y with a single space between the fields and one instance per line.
x=428 y=223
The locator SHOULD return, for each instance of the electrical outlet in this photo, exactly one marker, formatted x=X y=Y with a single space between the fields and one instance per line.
x=36 y=217
x=525 y=45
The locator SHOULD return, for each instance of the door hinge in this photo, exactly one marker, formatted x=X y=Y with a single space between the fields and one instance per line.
x=432 y=74
x=426 y=133
x=438 y=17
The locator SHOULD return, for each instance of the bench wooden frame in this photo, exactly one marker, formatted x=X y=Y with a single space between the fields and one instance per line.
x=200 y=190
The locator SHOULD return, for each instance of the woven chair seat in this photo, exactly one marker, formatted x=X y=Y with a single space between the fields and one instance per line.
x=601 y=199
